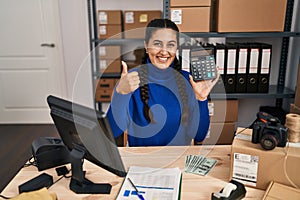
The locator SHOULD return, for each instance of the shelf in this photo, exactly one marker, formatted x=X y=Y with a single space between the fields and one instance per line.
x=113 y=41
x=244 y=34
x=274 y=92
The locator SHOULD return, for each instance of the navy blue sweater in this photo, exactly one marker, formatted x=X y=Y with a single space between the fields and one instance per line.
x=126 y=113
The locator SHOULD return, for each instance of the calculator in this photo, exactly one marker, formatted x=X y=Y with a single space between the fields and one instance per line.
x=202 y=63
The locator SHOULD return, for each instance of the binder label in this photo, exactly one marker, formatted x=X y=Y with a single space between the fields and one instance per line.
x=231 y=61
x=254 y=61
x=242 y=67
x=265 y=62
x=185 y=53
x=220 y=56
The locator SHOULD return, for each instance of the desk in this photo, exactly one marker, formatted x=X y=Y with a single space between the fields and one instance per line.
x=193 y=186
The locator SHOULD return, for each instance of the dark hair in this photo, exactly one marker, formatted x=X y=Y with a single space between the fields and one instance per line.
x=151 y=28
x=156 y=24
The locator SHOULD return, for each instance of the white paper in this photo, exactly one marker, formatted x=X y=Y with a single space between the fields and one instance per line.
x=103 y=19
x=245 y=168
x=220 y=56
x=152 y=183
x=176 y=16
x=186 y=59
x=129 y=18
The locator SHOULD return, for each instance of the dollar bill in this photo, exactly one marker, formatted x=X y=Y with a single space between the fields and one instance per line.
x=199 y=164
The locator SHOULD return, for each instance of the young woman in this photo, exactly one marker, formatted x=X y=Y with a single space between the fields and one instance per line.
x=158 y=103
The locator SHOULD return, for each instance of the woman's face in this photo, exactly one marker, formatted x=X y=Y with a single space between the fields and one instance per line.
x=162 y=47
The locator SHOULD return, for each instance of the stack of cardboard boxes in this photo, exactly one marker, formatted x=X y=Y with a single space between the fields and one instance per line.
x=109 y=62
x=104 y=89
x=223 y=118
x=109 y=59
x=110 y=23
x=111 y=26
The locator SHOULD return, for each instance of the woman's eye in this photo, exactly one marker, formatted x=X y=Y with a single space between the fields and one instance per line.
x=171 y=45
x=157 y=44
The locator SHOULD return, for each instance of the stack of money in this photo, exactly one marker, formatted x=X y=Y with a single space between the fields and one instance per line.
x=198 y=164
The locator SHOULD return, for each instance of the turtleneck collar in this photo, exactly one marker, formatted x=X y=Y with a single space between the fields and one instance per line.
x=160 y=74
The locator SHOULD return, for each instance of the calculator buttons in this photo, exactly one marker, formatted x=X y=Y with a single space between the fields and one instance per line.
x=202 y=65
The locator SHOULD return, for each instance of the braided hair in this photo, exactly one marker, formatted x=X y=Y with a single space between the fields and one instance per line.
x=152 y=27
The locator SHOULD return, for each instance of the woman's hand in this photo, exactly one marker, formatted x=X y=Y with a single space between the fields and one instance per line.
x=203 y=88
x=128 y=82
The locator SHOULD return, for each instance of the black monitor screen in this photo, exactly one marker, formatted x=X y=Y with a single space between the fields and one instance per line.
x=83 y=126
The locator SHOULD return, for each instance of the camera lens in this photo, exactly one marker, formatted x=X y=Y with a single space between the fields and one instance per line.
x=268 y=142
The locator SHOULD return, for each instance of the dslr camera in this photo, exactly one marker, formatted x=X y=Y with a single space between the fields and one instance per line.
x=269 y=132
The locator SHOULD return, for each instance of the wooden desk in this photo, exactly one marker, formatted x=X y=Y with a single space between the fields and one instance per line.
x=193 y=186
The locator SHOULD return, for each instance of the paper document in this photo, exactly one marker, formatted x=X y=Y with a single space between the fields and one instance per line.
x=151 y=183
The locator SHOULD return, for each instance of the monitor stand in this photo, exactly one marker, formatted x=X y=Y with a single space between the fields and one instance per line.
x=79 y=184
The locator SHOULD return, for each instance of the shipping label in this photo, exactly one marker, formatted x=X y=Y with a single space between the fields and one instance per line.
x=245 y=168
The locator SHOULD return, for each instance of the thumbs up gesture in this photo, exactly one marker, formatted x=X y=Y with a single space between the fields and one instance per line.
x=128 y=82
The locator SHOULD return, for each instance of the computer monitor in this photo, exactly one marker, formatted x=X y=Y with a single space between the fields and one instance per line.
x=87 y=134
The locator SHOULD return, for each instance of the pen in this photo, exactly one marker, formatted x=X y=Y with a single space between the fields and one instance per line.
x=138 y=194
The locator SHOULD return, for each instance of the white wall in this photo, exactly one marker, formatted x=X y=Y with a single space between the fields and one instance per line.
x=74 y=27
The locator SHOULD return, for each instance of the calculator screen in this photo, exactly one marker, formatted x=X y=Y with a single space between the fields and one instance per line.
x=201 y=53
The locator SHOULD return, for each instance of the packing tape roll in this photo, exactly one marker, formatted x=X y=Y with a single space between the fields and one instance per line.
x=293 y=124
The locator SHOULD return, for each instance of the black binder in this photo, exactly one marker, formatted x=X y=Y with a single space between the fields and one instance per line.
x=264 y=67
x=252 y=67
x=241 y=67
x=230 y=65
x=220 y=63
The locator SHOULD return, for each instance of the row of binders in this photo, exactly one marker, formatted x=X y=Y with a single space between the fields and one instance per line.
x=243 y=67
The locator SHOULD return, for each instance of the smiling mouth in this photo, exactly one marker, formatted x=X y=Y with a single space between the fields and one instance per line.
x=162 y=59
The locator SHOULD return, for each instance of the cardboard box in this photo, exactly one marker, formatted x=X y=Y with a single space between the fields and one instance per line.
x=297 y=92
x=104 y=89
x=109 y=52
x=294 y=109
x=110 y=66
x=219 y=133
x=187 y=3
x=256 y=167
x=103 y=95
x=105 y=83
x=277 y=191
x=223 y=110
x=110 y=17
x=109 y=30
x=191 y=19
x=250 y=16
x=135 y=22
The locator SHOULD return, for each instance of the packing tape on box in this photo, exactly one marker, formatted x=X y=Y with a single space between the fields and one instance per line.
x=293 y=124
